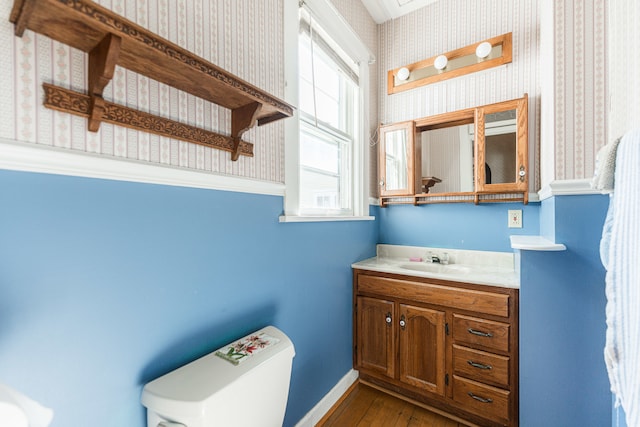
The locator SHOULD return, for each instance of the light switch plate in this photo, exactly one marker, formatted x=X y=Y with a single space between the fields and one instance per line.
x=515 y=218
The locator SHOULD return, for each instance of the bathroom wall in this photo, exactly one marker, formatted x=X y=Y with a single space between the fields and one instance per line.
x=455 y=225
x=243 y=37
x=563 y=379
x=447 y=25
x=107 y=285
x=430 y=31
x=574 y=87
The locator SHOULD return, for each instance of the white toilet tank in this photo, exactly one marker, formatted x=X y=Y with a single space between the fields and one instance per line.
x=213 y=391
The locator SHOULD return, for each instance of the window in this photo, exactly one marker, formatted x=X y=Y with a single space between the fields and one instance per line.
x=327 y=79
x=328 y=90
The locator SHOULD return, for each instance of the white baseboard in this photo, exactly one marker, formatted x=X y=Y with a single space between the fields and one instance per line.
x=317 y=412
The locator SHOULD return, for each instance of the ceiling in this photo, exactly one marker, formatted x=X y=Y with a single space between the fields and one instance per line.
x=384 y=10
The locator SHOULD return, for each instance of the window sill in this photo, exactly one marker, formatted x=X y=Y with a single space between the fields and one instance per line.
x=309 y=218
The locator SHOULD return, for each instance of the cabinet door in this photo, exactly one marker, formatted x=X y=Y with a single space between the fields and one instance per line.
x=375 y=339
x=422 y=348
x=501 y=147
x=396 y=160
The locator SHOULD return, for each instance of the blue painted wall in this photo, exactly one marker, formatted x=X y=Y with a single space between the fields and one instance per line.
x=459 y=226
x=107 y=285
x=563 y=379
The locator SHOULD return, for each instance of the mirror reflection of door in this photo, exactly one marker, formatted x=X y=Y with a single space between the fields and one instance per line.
x=396 y=161
x=447 y=155
x=501 y=144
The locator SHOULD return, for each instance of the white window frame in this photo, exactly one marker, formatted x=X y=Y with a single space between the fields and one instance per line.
x=331 y=21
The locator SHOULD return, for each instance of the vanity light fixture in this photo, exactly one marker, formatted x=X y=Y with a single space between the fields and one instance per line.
x=483 y=50
x=441 y=62
x=403 y=73
x=482 y=55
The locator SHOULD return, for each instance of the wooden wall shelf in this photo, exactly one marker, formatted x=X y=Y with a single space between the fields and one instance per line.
x=112 y=40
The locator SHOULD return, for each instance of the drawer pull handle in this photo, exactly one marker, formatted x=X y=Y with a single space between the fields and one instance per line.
x=403 y=323
x=388 y=319
x=480 y=399
x=478 y=365
x=480 y=333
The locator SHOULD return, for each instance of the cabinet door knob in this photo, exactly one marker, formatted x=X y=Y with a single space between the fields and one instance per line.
x=480 y=333
x=403 y=323
x=388 y=319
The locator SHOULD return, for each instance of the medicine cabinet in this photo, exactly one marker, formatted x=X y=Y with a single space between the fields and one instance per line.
x=473 y=155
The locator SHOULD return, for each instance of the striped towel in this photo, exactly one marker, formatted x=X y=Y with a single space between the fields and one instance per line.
x=622 y=260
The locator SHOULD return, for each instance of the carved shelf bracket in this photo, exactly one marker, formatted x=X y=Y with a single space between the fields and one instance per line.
x=242 y=119
x=111 y=40
x=102 y=64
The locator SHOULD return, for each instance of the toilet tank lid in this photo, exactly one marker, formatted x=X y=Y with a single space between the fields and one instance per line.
x=192 y=384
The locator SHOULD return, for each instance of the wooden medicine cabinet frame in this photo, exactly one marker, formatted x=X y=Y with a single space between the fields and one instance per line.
x=407 y=132
x=485 y=121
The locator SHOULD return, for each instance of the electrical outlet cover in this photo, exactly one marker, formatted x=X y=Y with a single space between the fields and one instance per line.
x=515 y=218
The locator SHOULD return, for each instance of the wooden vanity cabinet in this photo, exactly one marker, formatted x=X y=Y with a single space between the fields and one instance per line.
x=419 y=333
x=451 y=346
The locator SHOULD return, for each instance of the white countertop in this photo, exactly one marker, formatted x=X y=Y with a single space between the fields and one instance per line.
x=477 y=267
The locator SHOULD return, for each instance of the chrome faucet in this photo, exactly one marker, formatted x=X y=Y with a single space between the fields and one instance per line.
x=444 y=259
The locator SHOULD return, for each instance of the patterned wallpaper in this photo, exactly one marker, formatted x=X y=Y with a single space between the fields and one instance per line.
x=449 y=25
x=241 y=36
x=579 y=92
x=624 y=66
x=245 y=37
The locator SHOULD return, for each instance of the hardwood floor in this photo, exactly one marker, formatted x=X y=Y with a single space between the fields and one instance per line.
x=365 y=406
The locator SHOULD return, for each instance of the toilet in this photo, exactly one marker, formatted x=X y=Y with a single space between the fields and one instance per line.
x=227 y=387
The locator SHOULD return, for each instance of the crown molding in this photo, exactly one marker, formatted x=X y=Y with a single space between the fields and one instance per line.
x=30 y=157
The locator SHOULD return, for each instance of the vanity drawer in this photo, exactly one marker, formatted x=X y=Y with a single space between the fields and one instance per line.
x=430 y=293
x=481 y=332
x=484 y=400
x=481 y=366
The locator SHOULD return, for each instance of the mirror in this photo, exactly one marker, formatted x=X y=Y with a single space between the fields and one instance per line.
x=447 y=159
x=500 y=146
x=396 y=159
x=397 y=165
